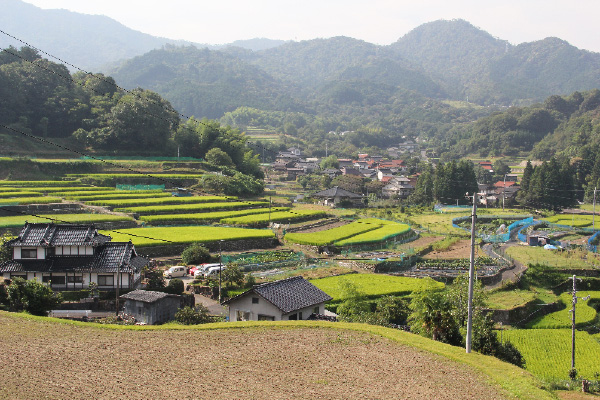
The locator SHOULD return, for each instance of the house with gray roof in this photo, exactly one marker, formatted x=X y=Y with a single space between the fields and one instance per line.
x=151 y=307
x=335 y=195
x=288 y=299
x=70 y=257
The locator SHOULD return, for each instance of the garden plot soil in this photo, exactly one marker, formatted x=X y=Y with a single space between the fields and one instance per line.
x=58 y=361
x=460 y=249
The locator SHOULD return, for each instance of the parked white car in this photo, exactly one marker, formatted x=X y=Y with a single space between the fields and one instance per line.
x=213 y=272
x=175 y=272
x=202 y=269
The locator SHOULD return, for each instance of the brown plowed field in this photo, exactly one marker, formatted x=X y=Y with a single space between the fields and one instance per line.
x=58 y=361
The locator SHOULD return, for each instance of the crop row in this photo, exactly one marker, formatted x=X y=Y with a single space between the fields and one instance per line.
x=23 y=201
x=121 y=203
x=87 y=192
x=584 y=313
x=161 y=236
x=38 y=183
x=166 y=219
x=199 y=207
x=547 y=352
x=278 y=216
x=73 y=189
x=18 y=221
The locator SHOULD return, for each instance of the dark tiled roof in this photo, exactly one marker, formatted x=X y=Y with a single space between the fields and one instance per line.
x=146 y=296
x=59 y=235
x=289 y=294
x=112 y=257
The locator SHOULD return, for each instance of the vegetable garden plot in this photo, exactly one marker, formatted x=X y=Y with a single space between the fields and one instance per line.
x=142 y=237
x=547 y=352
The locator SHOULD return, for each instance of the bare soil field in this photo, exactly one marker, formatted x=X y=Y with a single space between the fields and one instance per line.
x=461 y=249
x=43 y=359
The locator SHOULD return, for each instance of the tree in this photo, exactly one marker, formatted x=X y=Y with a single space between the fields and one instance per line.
x=175 y=286
x=216 y=156
x=330 y=162
x=197 y=253
x=353 y=307
x=232 y=276
x=154 y=278
x=5 y=251
x=32 y=296
x=432 y=317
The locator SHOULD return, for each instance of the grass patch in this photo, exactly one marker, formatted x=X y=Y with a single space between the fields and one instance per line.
x=559 y=259
x=576 y=221
x=509 y=299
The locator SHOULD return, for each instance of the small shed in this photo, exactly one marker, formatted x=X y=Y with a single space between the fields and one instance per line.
x=288 y=299
x=151 y=307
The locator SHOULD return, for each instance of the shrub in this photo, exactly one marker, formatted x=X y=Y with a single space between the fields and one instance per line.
x=175 y=286
x=195 y=254
x=32 y=296
x=193 y=316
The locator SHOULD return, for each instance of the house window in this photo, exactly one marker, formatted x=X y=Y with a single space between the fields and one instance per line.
x=316 y=310
x=28 y=253
x=58 y=280
x=293 y=317
x=262 y=317
x=46 y=278
x=106 y=280
x=75 y=279
x=255 y=300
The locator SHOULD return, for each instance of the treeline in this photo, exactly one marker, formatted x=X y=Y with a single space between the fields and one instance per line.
x=41 y=98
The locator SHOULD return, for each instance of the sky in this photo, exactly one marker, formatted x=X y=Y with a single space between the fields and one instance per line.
x=374 y=21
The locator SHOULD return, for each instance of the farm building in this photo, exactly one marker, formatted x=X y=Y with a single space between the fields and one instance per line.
x=288 y=299
x=151 y=307
x=70 y=257
x=335 y=195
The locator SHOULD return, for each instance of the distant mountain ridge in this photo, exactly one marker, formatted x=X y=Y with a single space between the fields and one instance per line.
x=443 y=60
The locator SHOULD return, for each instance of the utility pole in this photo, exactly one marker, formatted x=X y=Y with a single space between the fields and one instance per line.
x=220 y=268
x=503 y=192
x=594 y=211
x=575 y=298
x=471 y=274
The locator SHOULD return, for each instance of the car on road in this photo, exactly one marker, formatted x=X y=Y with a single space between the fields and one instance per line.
x=175 y=272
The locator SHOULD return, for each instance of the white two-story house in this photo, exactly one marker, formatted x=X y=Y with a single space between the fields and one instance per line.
x=70 y=257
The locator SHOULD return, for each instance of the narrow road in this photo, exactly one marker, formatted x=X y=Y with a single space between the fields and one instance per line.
x=509 y=275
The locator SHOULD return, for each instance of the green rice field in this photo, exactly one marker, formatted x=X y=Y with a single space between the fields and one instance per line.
x=116 y=196
x=584 y=313
x=375 y=285
x=38 y=183
x=366 y=230
x=576 y=221
x=140 y=202
x=277 y=216
x=19 y=194
x=22 y=201
x=547 y=352
x=199 y=207
x=160 y=236
x=18 y=221
x=204 y=217
x=553 y=258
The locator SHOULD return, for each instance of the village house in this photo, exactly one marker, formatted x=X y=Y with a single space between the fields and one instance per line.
x=70 y=257
x=336 y=195
x=151 y=307
x=288 y=299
